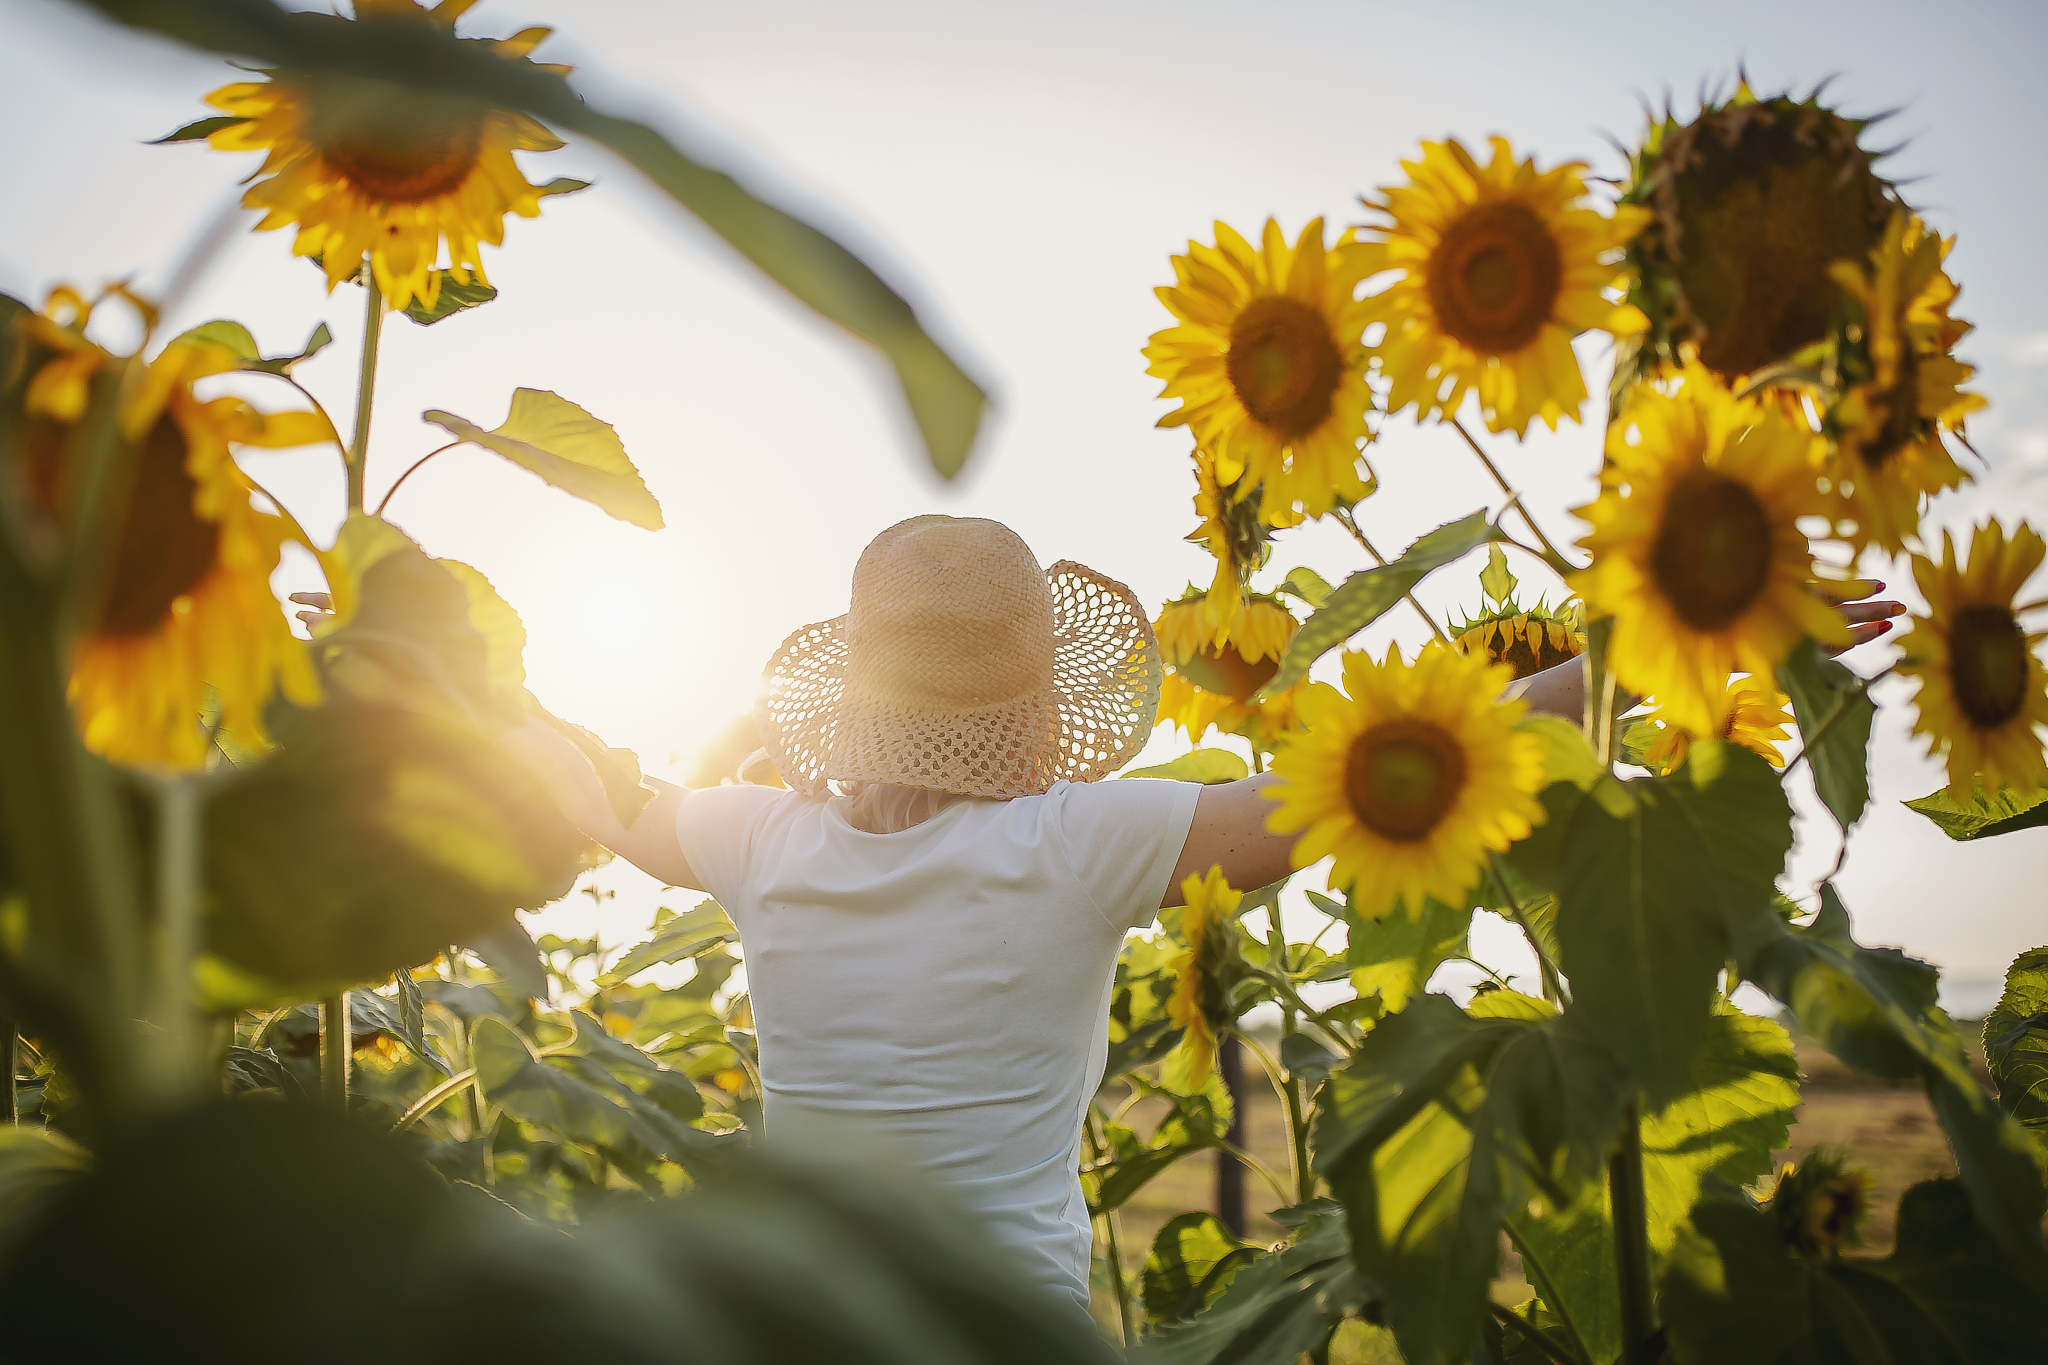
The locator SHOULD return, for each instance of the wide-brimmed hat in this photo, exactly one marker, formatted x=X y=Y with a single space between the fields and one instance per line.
x=961 y=667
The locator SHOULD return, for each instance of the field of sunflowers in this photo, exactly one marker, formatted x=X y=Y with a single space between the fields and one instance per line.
x=265 y=996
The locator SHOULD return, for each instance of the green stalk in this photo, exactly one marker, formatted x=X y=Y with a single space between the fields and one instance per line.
x=1600 y=692
x=334 y=1049
x=1290 y=1089
x=366 y=388
x=1552 y=989
x=178 y=834
x=1110 y=1240
x=1632 y=1241
x=10 y=1061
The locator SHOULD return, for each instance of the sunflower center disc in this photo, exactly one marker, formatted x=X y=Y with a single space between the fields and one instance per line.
x=1989 y=665
x=1227 y=673
x=165 y=549
x=1402 y=777
x=1493 y=280
x=394 y=146
x=1283 y=364
x=1713 y=552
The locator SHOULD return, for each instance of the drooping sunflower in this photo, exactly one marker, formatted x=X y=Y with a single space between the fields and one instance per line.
x=1268 y=362
x=1408 y=776
x=1903 y=385
x=366 y=167
x=1819 y=1206
x=1213 y=675
x=186 y=615
x=1755 y=200
x=1983 y=694
x=1236 y=533
x=1501 y=266
x=1205 y=922
x=1697 y=551
x=1753 y=713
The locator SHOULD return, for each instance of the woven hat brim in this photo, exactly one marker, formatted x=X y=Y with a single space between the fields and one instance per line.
x=1091 y=718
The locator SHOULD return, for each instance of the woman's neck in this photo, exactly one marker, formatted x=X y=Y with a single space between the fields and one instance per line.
x=882 y=808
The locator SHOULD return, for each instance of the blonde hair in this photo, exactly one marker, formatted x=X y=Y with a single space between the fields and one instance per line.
x=885 y=808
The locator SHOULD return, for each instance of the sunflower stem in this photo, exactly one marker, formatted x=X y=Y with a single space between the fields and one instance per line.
x=177 y=933
x=1600 y=692
x=1350 y=524
x=1556 y=561
x=1552 y=991
x=1290 y=1090
x=1109 y=1235
x=399 y=482
x=1632 y=1241
x=366 y=387
x=334 y=1048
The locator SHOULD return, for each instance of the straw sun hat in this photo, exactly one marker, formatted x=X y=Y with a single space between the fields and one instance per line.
x=961 y=667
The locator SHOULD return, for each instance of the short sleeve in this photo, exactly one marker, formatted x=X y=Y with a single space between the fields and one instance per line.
x=714 y=830
x=1122 y=838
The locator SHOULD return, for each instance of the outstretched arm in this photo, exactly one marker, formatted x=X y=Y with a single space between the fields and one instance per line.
x=649 y=844
x=1229 y=830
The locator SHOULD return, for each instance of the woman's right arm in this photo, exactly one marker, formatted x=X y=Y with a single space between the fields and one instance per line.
x=649 y=844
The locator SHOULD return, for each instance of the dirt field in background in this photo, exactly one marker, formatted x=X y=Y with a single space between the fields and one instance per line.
x=1888 y=1130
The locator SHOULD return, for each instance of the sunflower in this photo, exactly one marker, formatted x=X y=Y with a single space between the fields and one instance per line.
x=1754 y=201
x=1983 y=695
x=1697 y=553
x=1205 y=922
x=1889 y=453
x=366 y=167
x=186 y=615
x=1215 y=674
x=1752 y=712
x=1268 y=363
x=1408 y=777
x=1501 y=266
x=1819 y=1206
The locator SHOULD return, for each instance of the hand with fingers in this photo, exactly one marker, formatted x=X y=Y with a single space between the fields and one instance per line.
x=321 y=608
x=1869 y=616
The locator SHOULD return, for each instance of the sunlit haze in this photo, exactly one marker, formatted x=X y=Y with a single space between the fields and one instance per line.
x=1023 y=173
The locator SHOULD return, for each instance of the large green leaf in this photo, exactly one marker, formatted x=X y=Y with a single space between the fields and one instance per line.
x=1395 y=956
x=1364 y=597
x=1139 y=1030
x=676 y=938
x=1875 y=1009
x=2016 y=1042
x=581 y=1098
x=818 y=271
x=1736 y=1290
x=371 y=840
x=1738 y=1110
x=1985 y=814
x=1207 y=766
x=1191 y=1261
x=1275 y=1308
x=1196 y=1120
x=237 y=339
x=35 y=1164
x=1439 y=1124
x=1819 y=688
x=1646 y=902
x=552 y=437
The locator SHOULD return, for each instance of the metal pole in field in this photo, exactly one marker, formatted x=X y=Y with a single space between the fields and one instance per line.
x=1229 y=1170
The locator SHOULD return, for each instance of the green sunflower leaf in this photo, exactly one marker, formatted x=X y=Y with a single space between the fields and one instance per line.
x=1985 y=814
x=1306 y=584
x=2016 y=1043
x=818 y=271
x=1190 y=1264
x=1820 y=688
x=548 y=435
x=1395 y=956
x=1439 y=1124
x=677 y=938
x=237 y=339
x=198 y=130
x=1875 y=1009
x=456 y=296
x=1743 y=1096
x=1364 y=597
x=1947 y=1295
x=1647 y=898
x=1274 y=1308
x=1207 y=766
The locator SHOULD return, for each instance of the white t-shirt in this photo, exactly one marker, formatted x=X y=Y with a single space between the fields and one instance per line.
x=944 y=991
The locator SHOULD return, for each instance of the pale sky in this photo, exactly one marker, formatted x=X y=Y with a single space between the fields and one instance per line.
x=1023 y=172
